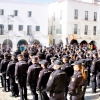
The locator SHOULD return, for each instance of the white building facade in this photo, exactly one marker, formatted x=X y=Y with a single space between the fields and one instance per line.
x=76 y=17
x=29 y=18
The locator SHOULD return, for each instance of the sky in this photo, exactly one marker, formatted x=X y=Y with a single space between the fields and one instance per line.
x=44 y=1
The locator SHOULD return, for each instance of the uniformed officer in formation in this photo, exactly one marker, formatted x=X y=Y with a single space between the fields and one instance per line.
x=11 y=74
x=32 y=76
x=77 y=80
x=49 y=71
x=57 y=82
x=21 y=69
x=43 y=79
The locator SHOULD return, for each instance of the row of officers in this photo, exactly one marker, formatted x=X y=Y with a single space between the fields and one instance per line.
x=60 y=79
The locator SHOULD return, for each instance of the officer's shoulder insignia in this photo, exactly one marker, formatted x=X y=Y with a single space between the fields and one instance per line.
x=73 y=79
x=50 y=78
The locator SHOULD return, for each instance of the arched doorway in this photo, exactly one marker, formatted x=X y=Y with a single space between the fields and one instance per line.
x=36 y=41
x=83 y=43
x=7 y=44
x=22 y=44
x=73 y=42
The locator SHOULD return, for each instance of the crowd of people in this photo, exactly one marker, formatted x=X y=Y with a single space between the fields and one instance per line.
x=52 y=73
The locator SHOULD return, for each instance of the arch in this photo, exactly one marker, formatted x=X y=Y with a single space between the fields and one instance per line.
x=22 y=42
x=93 y=42
x=83 y=42
x=93 y=45
x=36 y=41
x=7 y=43
x=73 y=41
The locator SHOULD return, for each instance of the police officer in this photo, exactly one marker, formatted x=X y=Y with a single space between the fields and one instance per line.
x=31 y=54
x=25 y=56
x=98 y=72
x=68 y=69
x=18 y=51
x=11 y=74
x=57 y=82
x=21 y=76
x=94 y=71
x=32 y=77
x=75 y=85
x=88 y=64
x=52 y=62
x=4 y=64
x=42 y=80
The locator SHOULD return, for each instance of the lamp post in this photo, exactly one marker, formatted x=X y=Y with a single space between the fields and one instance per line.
x=8 y=19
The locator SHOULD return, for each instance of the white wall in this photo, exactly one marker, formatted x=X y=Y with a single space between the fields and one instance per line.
x=68 y=20
x=39 y=18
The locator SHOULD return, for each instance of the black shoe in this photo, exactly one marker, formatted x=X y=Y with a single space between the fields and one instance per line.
x=16 y=95
x=12 y=95
x=3 y=90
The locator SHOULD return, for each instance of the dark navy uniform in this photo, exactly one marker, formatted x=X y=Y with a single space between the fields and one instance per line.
x=75 y=86
x=11 y=74
x=32 y=77
x=21 y=76
x=94 y=72
x=4 y=64
x=42 y=81
x=57 y=83
x=98 y=73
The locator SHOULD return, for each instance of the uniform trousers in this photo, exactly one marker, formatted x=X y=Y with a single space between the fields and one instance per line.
x=22 y=87
x=93 y=83
x=33 y=90
x=4 y=82
x=98 y=80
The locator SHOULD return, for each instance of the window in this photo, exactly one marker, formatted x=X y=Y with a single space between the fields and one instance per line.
x=20 y=27
x=51 y=29
x=1 y=12
x=61 y=14
x=10 y=27
x=1 y=29
x=37 y=28
x=86 y=15
x=53 y=41
x=54 y=17
x=75 y=28
x=94 y=30
x=60 y=29
x=76 y=14
x=15 y=12
x=29 y=13
x=54 y=27
x=57 y=31
x=29 y=29
x=86 y=30
x=95 y=16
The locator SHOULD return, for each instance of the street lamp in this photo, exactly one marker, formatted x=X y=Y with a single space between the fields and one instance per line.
x=8 y=19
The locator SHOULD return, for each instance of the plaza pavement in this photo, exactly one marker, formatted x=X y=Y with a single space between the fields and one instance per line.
x=88 y=95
